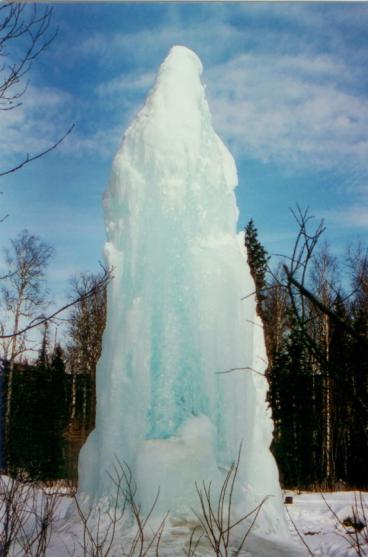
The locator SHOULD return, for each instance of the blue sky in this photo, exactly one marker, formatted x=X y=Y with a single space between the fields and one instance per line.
x=287 y=85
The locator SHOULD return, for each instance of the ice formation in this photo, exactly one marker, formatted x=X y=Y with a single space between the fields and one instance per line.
x=177 y=316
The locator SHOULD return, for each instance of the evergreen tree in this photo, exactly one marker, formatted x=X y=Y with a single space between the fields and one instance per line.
x=39 y=417
x=358 y=461
x=318 y=376
x=3 y=374
x=257 y=259
x=340 y=374
x=43 y=355
x=295 y=410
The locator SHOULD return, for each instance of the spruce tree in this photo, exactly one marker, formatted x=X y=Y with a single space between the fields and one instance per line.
x=295 y=410
x=257 y=260
x=39 y=416
x=359 y=384
x=257 y=256
x=342 y=383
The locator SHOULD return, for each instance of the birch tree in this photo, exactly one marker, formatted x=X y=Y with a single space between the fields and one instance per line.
x=24 y=296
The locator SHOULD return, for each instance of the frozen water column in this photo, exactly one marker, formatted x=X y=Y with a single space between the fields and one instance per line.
x=175 y=317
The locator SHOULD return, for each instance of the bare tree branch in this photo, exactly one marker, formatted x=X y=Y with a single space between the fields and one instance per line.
x=26 y=29
x=42 y=319
x=29 y=158
x=323 y=308
x=247 y=368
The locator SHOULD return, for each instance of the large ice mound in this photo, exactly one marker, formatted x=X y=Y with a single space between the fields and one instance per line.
x=176 y=318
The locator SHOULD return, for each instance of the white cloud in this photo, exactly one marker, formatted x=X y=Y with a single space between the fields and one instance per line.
x=126 y=83
x=271 y=102
x=289 y=109
x=102 y=142
x=297 y=108
x=352 y=217
x=41 y=119
x=142 y=48
x=44 y=116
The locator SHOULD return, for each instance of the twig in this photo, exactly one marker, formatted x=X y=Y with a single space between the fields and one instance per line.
x=40 y=320
x=299 y=534
x=29 y=159
x=247 y=368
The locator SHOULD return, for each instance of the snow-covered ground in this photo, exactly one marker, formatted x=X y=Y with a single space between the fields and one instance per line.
x=318 y=526
x=317 y=518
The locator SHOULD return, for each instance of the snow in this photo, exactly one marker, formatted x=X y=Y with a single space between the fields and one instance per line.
x=178 y=315
x=312 y=517
x=321 y=530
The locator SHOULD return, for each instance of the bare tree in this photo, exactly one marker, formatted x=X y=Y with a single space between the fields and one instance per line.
x=87 y=319
x=24 y=295
x=325 y=285
x=27 y=513
x=326 y=334
x=358 y=264
x=296 y=273
x=86 y=325
x=28 y=26
x=275 y=314
x=100 y=526
x=106 y=276
x=216 y=520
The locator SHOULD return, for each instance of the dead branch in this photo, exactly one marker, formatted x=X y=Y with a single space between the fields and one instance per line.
x=30 y=158
x=98 y=541
x=27 y=28
x=40 y=320
x=357 y=541
x=27 y=513
x=299 y=533
x=216 y=516
x=322 y=307
x=247 y=368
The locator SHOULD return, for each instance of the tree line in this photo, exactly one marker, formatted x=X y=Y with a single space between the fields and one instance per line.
x=47 y=390
x=36 y=384
x=316 y=331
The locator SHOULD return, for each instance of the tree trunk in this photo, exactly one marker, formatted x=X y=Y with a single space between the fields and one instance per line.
x=9 y=386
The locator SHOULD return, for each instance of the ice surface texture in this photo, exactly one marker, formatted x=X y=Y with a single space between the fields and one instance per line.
x=175 y=314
